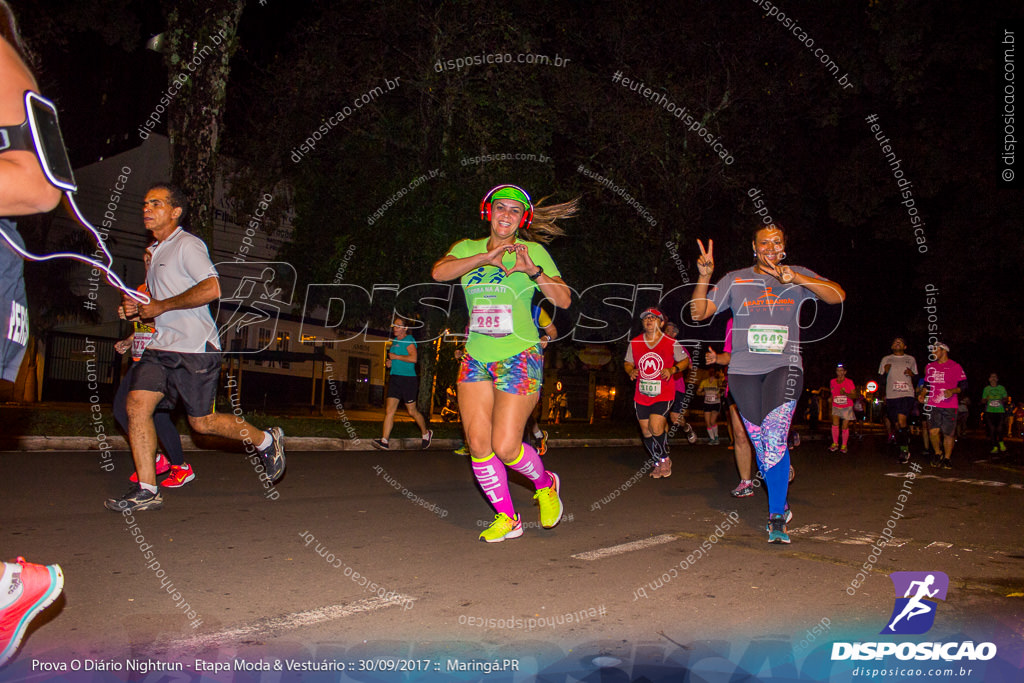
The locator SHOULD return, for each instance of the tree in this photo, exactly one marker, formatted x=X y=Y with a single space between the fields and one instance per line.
x=200 y=39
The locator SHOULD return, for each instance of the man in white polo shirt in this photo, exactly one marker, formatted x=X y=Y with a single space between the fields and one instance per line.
x=183 y=360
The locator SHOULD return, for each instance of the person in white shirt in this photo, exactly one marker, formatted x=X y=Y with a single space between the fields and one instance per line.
x=183 y=360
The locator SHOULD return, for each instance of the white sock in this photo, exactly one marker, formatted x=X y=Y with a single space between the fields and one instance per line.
x=147 y=487
x=268 y=440
x=537 y=433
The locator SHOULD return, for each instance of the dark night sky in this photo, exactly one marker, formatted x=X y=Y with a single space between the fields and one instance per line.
x=930 y=71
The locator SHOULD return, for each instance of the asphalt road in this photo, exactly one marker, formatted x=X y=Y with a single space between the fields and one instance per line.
x=623 y=576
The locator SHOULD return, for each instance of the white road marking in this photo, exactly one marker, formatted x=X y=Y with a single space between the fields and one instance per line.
x=286 y=623
x=626 y=547
x=959 y=480
x=820 y=532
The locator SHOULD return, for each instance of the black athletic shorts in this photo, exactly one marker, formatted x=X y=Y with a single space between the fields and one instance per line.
x=681 y=402
x=712 y=407
x=644 y=412
x=190 y=377
x=405 y=388
x=899 y=406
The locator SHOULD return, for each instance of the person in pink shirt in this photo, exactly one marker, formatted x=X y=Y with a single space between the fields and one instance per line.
x=677 y=410
x=740 y=441
x=946 y=382
x=843 y=395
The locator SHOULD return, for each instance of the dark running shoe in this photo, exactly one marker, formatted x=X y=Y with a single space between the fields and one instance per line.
x=136 y=500
x=425 y=443
x=542 y=443
x=777 y=531
x=380 y=444
x=273 y=455
x=691 y=436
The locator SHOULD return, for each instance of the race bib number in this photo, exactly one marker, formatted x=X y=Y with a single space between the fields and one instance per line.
x=995 y=403
x=841 y=400
x=767 y=339
x=711 y=396
x=141 y=339
x=650 y=387
x=900 y=386
x=494 y=321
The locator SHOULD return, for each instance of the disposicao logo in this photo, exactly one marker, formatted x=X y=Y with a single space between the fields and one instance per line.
x=913 y=614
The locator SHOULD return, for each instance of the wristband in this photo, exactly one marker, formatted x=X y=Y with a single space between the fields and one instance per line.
x=540 y=271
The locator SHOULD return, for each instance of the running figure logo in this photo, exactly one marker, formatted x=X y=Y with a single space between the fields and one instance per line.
x=260 y=292
x=914 y=613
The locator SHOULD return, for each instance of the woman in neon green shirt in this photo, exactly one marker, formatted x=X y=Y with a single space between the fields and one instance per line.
x=502 y=369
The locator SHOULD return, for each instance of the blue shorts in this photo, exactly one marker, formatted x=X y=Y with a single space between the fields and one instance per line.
x=521 y=374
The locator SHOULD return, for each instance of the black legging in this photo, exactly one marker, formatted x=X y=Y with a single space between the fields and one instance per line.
x=772 y=394
x=165 y=429
x=995 y=423
x=758 y=395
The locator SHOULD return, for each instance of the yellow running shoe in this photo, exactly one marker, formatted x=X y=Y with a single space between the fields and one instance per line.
x=462 y=450
x=549 y=502
x=501 y=528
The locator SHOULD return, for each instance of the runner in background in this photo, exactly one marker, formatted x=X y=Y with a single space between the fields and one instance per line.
x=946 y=382
x=677 y=411
x=711 y=391
x=843 y=395
x=921 y=396
x=542 y=319
x=741 y=446
x=403 y=386
x=898 y=371
x=181 y=472
x=995 y=399
x=652 y=358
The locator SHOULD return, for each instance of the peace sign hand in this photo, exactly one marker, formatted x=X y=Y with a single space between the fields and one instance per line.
x=785 y=274
x=706 y=261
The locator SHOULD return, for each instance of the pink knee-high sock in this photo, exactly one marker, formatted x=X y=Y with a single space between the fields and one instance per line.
x=835 y=433
x=846 y=436
x=493 y=479
x=529 y=465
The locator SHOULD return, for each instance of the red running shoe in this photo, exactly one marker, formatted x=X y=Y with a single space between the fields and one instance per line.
x=38 y=586
x=179 y=476
x=162 y=465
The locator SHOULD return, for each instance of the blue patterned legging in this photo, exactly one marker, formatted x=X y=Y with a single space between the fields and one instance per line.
x=766 y=404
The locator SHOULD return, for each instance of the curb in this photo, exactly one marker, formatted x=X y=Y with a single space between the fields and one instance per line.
x=294 y=443
x=303 y=443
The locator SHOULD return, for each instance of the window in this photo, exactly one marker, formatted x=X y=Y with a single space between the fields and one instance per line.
x=283 y=342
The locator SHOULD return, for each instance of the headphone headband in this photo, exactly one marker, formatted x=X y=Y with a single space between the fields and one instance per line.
x=485 y=205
